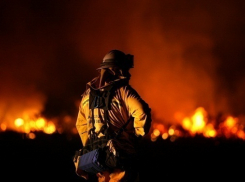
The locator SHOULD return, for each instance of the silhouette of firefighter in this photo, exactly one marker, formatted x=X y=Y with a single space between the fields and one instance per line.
x=112 y=121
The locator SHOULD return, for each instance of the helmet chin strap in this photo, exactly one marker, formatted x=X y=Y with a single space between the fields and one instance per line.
x=102 y=81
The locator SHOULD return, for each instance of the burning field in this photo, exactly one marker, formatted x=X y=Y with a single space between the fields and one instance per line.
x=200 y=148
x=188 y=66
x=200 y=123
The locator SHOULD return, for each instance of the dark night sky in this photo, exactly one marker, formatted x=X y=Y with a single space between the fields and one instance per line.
x=187 y=54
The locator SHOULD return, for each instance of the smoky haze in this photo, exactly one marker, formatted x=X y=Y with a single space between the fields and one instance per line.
x=187 y=54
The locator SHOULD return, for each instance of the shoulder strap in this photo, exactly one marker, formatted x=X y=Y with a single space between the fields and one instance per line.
x=102 y=100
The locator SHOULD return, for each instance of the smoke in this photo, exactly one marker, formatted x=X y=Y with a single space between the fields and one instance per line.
x=187 y=54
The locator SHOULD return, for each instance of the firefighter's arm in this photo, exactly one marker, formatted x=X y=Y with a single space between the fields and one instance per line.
x=81 y=125
x=141 y=113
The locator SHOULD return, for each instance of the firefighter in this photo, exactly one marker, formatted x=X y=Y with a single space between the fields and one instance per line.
x=120 y=109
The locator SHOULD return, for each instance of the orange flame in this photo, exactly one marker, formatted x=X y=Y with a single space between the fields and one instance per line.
x=40 y=124
x=199 y=124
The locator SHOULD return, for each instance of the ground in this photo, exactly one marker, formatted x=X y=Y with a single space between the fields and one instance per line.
x=49 y=157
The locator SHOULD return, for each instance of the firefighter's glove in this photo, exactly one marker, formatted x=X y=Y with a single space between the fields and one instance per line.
x=79 y=172
x=111 y=147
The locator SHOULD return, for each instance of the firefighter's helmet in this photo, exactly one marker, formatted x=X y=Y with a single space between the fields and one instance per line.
x=116 y=58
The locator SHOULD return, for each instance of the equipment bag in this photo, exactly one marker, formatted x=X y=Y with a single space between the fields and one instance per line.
x=91 y=162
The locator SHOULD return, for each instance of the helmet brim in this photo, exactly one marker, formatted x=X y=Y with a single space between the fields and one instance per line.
x=108 y=65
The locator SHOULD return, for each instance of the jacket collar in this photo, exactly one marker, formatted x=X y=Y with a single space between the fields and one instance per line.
x=95 y=82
